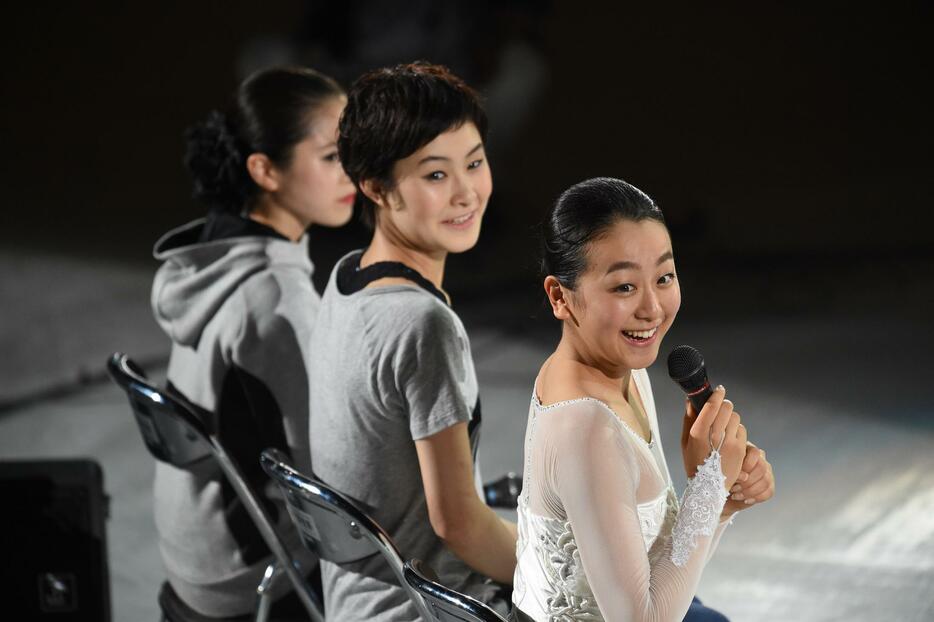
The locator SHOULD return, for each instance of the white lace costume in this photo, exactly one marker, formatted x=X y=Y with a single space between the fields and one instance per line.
x=600 y=535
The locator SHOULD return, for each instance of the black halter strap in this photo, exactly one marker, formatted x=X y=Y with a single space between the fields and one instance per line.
x=351 y=278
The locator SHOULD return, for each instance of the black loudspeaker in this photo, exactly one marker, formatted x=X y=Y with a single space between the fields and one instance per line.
x=53 y=541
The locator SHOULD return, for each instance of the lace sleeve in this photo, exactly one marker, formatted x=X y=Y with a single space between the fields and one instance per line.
x=701 y=506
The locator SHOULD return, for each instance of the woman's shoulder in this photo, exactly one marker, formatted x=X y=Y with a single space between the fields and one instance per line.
x=583 y=432
x=275 y=302
x=562 y=385
x=407 y=307
x=575 y=414
x=569 y=405
x=273 y=288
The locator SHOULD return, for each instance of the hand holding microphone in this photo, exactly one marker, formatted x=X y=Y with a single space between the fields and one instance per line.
x=709 y=421
x=754 y=482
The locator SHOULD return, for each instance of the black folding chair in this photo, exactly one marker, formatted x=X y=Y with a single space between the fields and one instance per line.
x=333 y=527
x=175 y=432
x=445 y=604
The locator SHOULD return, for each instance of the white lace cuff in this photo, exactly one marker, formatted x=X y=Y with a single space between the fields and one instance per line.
x=701 y=507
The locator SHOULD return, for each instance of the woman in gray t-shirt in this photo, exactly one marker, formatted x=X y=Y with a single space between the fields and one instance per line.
x=394 y=402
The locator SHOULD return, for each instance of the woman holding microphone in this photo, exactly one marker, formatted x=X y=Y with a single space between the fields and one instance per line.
x=602 y=535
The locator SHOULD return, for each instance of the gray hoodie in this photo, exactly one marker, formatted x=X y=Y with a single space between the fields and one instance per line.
x=239 y=308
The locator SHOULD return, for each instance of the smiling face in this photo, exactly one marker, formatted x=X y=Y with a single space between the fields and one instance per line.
x=313 y=188
x=627 y=298
x=440 y=194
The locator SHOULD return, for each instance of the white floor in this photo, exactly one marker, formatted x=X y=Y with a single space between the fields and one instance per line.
x=841 y=408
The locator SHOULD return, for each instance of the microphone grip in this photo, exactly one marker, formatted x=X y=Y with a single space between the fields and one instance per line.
x=700 y=396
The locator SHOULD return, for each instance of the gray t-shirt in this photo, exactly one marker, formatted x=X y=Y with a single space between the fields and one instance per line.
x=393 y=365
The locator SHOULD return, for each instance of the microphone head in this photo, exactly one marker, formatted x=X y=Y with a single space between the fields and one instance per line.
x=686 y=367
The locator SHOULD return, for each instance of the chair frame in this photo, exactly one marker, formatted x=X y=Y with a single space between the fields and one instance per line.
x=446 y=604
x=131 y=379
x=359 y=525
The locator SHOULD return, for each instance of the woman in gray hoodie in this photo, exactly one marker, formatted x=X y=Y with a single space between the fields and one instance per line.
x=234 y=294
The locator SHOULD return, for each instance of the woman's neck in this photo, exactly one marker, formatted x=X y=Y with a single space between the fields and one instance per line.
x=274 y=216
x=591 y=371
x=389 y=246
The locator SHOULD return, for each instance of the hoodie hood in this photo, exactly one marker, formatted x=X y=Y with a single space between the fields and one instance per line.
x=196 y=278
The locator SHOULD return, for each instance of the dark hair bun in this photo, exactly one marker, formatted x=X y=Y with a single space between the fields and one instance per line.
x=269 y=115
x=217 y=163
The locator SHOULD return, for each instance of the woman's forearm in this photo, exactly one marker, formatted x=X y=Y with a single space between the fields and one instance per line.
x=485 y=542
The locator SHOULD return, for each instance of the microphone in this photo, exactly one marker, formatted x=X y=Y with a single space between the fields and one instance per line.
x=686 y=367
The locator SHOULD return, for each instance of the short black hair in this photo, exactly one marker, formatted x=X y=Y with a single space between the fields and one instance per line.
x=582 y=214
x=270 y=114
x=393 y=112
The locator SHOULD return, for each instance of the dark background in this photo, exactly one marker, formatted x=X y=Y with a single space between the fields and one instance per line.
x=789 y=146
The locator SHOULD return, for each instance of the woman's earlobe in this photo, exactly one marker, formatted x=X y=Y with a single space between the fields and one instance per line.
x=563 y=312
x=558 y=306
x=556 y=298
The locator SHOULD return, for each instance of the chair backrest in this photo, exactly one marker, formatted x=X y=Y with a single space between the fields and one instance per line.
x=172 y=430
x=445 y=604
x=331 y=525
x=176 y=432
